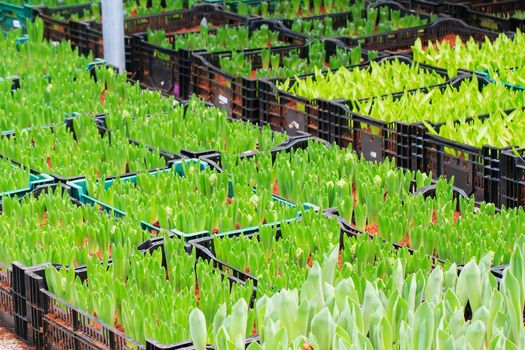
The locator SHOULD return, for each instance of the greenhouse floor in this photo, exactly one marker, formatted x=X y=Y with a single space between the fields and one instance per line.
x=8 y=341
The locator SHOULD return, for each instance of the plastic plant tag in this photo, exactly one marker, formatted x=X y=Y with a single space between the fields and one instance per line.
x=96 y=63
x=21 y=40
x=223 y=100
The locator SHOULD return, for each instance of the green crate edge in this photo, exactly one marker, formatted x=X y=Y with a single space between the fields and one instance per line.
x=35 y=180
x=79 y=191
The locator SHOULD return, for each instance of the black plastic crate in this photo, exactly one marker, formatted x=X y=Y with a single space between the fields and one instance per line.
x=20 y=314
x=172 y=70
x=87 y=35
x=28 y=322
x=168 y=70
x=475 y=170
x=429 y=191
x=240 y=95
x=292 y=143
x=58 y=27
x=64 y=325
x=333 y=121
x=69 y=328
x=26 y=284
x=6 y=298
x=512 y=187
x=497 y=16
x=205 y=250
x=214 y=158
x=349 y=229
x=342 y=19
x=153 y=345
x=399 y=41
x=454 y=9
x=375 y=139
x=232 y=5
x=101 y=125
x=293 y=114
x=14 y=311
x=287 y=112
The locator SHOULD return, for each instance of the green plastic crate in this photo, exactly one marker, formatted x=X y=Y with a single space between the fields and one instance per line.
x=35 y=180
x=507 y=84
x=15 y=16
x=79 y=192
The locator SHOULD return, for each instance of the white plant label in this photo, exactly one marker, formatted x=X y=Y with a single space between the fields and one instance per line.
x=223 y=100
x=294 y=125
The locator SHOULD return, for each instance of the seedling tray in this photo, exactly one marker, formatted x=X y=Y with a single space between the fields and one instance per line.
x=101 y=123
x=61 y=28
x=487 y=75
x=475 y=170
x=68 y=327
x=291 y=113
x=240 y=96
x=205 y=249
x=512 y=168
x=35 y=179
x=429 y=191
x=79 y=191
x=214 y=158
x=454 y=9
x=166 y=69
x=342 y=19
x=378 y=140
x=90 y=67
x=492 y=15
x=19 y=312
x=13 y=299
x=233 y=6
x=290 y=145
x=330 y=120
x=87 y=35
x=401 y=41
x=15 y=16
x=171 y=70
